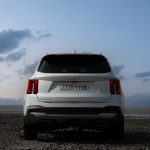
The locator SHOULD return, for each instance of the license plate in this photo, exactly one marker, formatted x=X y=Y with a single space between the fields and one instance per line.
x=67 y=87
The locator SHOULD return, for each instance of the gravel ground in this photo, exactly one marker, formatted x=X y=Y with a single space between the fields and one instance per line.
x=137 y=137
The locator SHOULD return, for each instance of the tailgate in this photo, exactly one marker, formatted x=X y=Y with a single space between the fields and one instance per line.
x=74 y=88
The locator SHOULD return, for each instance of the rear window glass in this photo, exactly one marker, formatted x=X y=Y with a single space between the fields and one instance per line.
x=74 y=64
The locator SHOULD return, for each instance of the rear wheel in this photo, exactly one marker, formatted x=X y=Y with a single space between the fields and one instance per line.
x=117 y=129
x=30 y=131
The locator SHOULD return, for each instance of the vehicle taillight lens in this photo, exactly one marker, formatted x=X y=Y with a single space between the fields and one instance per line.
x=115 y=87
x=35 y=90
x=32 y=87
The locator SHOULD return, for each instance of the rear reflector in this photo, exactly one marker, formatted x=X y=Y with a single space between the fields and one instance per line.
x=115 y=87
x=32 y=87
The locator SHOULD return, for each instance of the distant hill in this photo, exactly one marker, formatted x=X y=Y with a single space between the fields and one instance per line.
x=138 y=100
x=9 y=101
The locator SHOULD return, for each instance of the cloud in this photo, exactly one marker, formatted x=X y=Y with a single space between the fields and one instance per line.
x=10 y=39
x=7 y=5
x=15 y=56
x=143 y=74
x=42 y=36
x=3 y=76
x=146 y=80
x=29 y=69
x=117 y=70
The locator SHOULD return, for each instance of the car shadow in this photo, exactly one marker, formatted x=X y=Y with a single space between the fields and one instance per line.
x=93 y=137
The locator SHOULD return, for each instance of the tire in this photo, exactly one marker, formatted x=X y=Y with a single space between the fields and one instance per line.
x=30 y=132
x=117 y=129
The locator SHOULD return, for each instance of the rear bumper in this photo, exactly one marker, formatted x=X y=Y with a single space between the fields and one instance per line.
x=43 y=114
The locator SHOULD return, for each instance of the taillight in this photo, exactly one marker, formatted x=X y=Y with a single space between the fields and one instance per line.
x=35 y=89
x=115 y=87
x=32 y=87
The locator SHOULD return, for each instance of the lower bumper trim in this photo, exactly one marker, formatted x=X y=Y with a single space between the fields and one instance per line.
x=39 y=116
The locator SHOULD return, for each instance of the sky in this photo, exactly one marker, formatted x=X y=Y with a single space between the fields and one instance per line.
x=120 y=30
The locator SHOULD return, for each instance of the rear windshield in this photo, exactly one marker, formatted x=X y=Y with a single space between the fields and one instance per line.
x=74 y=64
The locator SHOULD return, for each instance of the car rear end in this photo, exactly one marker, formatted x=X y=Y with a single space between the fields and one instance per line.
x=73 y=90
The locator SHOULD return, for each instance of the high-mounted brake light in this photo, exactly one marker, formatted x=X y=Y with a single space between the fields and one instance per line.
x=32 y=87
x=115 y=87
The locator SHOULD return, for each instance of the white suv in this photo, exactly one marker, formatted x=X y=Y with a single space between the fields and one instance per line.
x=73 y=90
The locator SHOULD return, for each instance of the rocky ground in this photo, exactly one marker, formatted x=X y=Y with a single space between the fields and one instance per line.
x=137 y=137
